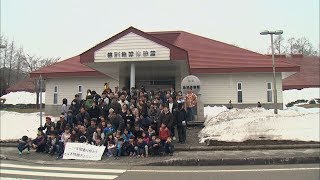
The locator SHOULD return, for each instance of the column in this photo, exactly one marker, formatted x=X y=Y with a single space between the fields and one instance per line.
x=132 y=75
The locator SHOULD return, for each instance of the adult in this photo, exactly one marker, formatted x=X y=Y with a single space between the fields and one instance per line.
x=94 y=111
x=61 y=125
x=115 y=105
x=75 y=105
x=116 y=120
x=166 y=118
x=64 y=107
x=123 y=100
x=181 y=117
x=82 y=116
x=47 y=126
x=191 y=102
x=173 y=108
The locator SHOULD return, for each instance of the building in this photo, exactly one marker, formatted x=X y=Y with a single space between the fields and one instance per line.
x=307 y=77
x=161 y=60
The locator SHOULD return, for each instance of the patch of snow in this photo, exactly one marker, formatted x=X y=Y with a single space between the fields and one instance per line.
x=22 y=97
x=238 y=125
x=213 y=111
x=294 y=94
x=14 y=125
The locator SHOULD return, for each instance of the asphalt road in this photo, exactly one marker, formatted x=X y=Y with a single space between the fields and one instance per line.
x=12 y=169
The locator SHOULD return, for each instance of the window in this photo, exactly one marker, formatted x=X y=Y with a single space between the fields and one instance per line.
x=239 y=92
x=55 y=95
x=80 y=91
x=269 y=92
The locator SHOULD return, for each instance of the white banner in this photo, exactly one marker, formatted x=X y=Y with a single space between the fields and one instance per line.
x=83 y=151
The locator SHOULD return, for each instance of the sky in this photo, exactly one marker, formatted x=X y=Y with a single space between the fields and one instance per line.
x=65 y=28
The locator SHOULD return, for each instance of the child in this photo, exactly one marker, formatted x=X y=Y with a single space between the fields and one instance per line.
x=109 y=129
x=98 y=141
x=137 y=132
x=24 y=144
x=168 y=147
x=141 y=148
x=52 y=143
x=126 y=135
x=119 y=148
x=151 y=131
x=111 y=149
x=156 y=147
x=65 y=137
x=130 y=148
x=145 y=138
x=164 y=133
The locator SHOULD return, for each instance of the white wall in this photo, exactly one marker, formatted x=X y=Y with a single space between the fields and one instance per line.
x=68 y=87
x=220 y=88
x=132 y=42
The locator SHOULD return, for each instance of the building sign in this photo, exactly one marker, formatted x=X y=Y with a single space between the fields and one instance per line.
x=131 y=54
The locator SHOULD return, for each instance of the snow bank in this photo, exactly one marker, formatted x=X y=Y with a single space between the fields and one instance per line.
x=14 y=125
x=22 y=97
x=210 y=112
x=294 y=94
x=238 y=125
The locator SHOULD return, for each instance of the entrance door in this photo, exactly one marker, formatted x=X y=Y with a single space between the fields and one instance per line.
x=155 y=85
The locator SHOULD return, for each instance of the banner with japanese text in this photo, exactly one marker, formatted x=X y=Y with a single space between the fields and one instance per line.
x=83 y=151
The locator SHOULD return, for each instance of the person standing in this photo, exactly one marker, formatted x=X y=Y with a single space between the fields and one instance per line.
x=191 y=102
x=181 y=117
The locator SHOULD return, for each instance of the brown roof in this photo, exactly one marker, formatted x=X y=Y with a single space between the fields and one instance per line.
x=27 y=84
x=68 y=67
x=211 y=56
x=308 y=76
x=204 y=56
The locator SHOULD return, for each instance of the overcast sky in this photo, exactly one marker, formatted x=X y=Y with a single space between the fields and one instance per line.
x=61 y=28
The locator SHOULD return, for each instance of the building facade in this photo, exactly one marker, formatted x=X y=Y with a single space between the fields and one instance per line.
x=160 y=60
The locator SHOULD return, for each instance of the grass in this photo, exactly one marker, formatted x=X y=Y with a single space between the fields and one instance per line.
x=310 y=105
x=30 y=110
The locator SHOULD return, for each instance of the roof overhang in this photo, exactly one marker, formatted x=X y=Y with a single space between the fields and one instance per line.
x=176 y=53
x=243 y=69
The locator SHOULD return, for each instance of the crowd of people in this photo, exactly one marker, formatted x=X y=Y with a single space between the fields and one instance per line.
x=131 y=122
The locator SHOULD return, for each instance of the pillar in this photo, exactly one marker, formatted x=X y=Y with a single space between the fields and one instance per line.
x=132 y=75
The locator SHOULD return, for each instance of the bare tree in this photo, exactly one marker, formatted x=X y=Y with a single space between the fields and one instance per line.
x=290 y=45
x=278 y=43
x=34 y=62
x=11 y=61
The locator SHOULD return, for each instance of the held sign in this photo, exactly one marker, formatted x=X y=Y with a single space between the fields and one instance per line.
x=83 y=151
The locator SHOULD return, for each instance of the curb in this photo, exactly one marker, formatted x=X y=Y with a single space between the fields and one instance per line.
x=246 y=161
x=254 y=147
x=224 y=148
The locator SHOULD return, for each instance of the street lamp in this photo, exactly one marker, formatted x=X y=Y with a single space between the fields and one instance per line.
x=278 y=32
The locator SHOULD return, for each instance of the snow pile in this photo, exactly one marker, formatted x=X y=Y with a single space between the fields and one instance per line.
x=14 y=125
x=210 y=112
x=294 y=94
x=22 y=97
x=238 y=125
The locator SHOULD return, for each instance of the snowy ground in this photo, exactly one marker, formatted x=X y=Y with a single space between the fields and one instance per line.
x=14 y=125
x=294 y=94
x=22 y=97
x=238 y=125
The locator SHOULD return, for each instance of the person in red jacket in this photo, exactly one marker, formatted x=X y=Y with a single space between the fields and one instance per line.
x=164 y=133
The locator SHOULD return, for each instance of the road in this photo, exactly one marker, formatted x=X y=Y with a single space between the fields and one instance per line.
x=12 y=169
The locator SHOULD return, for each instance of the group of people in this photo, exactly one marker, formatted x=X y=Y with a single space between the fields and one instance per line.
x=128 y=122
